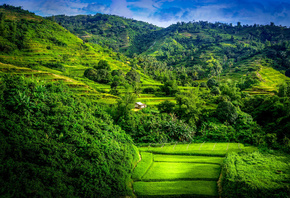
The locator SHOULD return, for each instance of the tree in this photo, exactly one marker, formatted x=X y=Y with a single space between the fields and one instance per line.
x=215 y=91
x=230 y=89
x=170 y=87
x=211 y=83
x=103 y=64
x=190 y=107
x=124 y=106
x=284 y=89
x=287 y=73
x=100 y=75
x=2 y=25
x=166 y=106
x=133 y=76
x=226 y=112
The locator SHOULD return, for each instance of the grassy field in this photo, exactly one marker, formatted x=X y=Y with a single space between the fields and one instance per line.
x=169 y=188
x=181 y=170
x=188 y=159
x=207 y=149
x=170 y=171
x=143 y=166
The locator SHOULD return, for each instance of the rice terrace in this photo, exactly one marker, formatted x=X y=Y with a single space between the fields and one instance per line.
x=190 y=170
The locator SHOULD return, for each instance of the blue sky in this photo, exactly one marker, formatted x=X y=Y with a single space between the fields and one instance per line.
x=165 y=12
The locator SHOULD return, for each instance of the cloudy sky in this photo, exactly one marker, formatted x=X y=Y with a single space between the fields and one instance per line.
x=165 y=12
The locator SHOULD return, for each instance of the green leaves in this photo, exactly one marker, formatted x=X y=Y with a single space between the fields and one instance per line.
x=50 y=135
x=226 y=111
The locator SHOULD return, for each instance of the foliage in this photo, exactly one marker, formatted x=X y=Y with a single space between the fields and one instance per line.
x=56 y=144
x=226 y=112
x=255 y=175
x=149 y=127
x=211 y=83
x=190 y=107
x=124 y=106
x=170 y=88
x=166 y=107
x=284 y=89
x=107 y=30
x=287 y=73
x=143 y=166
x=133 y=76
x=272 y=113
x=100 y=75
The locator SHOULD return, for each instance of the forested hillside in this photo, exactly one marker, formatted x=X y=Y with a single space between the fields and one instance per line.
x=111 y=31
x=54 y=142
x=197 y=50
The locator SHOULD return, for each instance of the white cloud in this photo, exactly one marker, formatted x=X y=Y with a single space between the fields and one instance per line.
x=120 y=7
x=96 y=7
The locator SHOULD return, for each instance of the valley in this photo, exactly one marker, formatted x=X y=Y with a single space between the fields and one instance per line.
x=216 y=121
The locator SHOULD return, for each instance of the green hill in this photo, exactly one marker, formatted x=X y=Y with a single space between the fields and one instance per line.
x=195 y=50
x=30 y=41
x=112 y=31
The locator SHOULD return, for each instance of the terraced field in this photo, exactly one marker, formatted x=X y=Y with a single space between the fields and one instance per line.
x=76 y=86
x=181 y=170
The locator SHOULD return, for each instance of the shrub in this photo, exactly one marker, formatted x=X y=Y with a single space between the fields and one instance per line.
x=255 y=175
x=149 y=90
x=166 y=106
x=226 y=112
x=55 y=144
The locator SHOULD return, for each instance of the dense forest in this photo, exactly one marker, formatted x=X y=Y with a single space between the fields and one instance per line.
x=69 y=84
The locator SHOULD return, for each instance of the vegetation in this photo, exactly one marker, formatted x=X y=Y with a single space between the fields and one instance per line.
x=193 y=159
x=203 y=149
x=54 y=143
x=212 y=90
x=181 y=168
x=107 y=30
x=169 y=188
x=183 y=171
x=142 y=166
x=256 y=175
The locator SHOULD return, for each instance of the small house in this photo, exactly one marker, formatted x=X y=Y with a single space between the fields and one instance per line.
x=139 y=105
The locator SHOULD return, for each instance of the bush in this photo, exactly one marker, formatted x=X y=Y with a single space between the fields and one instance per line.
x=57 y=66
x=255 y=175
x=54 y=144
x=211 y=83
x=101 y=75
x=203 y=84
x=226 y=112
x=195 y=84
x=149 y=90
x=166 y=106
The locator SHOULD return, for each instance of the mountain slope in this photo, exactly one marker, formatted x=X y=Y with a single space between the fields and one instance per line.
x=33 y=42
x=197 y=50
x=107 y=30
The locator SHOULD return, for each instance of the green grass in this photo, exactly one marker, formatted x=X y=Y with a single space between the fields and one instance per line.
x=271 y=79
x=161 y=171
x=176 y=188
x=188 y=159
x=183 y=170
x=207 y=149
x=143 y=165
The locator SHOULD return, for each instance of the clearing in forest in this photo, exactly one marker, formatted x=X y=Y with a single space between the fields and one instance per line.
x=185 y=170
